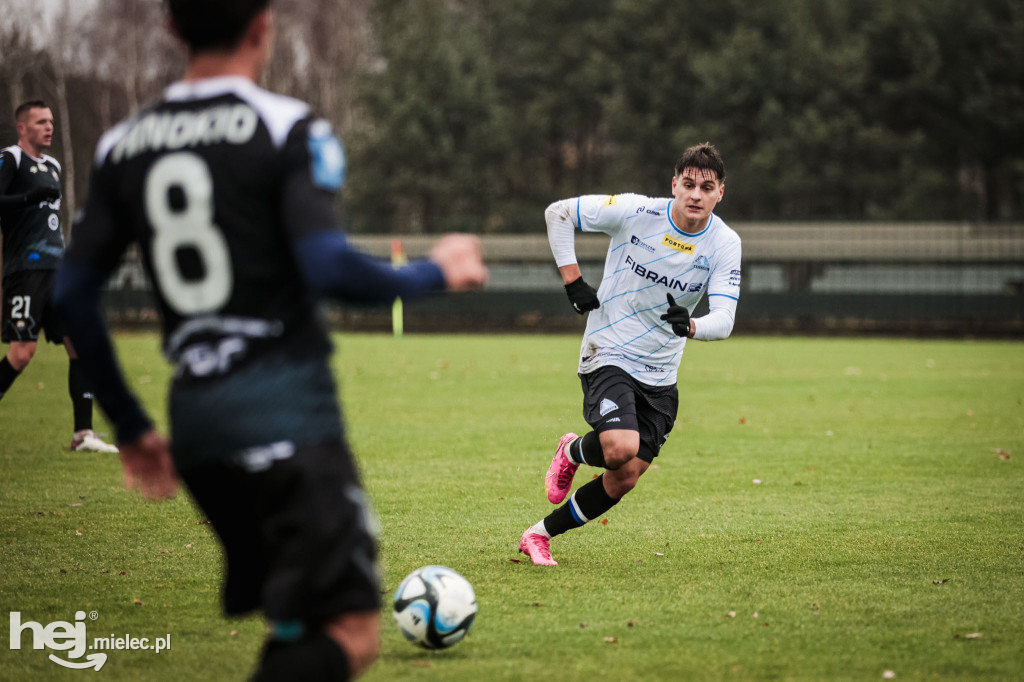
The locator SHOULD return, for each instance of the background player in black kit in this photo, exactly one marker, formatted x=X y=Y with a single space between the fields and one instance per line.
x=33 y=245
x=229 y=190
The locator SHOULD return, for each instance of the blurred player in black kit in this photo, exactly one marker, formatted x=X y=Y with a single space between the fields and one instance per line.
x=33 y=246
x=229 y=190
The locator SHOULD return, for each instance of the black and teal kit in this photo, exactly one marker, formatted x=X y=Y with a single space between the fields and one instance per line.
x=33 y=244
x=230 y=192
x=31 y=229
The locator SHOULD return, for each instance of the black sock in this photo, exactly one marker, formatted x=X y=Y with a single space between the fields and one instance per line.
x=7 y=376
x=81 y=396
x=315 y=657
x=587 y=503
x=587 y=450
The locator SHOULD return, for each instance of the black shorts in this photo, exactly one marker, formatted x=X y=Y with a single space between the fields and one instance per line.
x=297 y=531
x=26 y=307
x=614 y=400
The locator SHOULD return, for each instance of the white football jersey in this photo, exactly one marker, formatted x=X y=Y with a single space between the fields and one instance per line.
x=649 y=257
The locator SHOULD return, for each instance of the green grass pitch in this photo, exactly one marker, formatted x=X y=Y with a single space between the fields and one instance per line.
x=826 y=509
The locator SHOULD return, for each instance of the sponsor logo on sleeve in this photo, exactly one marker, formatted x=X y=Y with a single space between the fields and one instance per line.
x=607 y=406
x=681 y=246
x=611 y=200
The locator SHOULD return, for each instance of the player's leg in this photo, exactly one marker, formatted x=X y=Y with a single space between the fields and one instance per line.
x=80 y=390
x=340 y=650
x=609 y=406
x=648 y=414
x=17 y=328
x=299 y=544
x=16 y=360
x=607 y=396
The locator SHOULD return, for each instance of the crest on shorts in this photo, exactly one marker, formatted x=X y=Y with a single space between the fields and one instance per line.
x=607 y=406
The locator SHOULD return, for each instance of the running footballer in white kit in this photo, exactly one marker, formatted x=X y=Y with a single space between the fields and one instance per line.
x=664 y=255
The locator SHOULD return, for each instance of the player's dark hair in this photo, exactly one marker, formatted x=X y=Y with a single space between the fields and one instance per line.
x=702 y=156
x=213 y=24
x=31 y=104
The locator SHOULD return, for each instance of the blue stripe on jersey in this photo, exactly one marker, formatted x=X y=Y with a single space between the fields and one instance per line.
x=615 y=273
x=735 y=298
x=632 y=314
x=579 y=221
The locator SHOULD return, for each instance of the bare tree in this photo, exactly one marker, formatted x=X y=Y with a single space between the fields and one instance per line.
x=321 y=45
x=19 y=57
x=127 y=47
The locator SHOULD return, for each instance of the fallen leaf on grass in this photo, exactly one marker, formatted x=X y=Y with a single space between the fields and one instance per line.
x=731 y=614
x=743 y=420
x=940 y=582
x=611 y=640
x=233 y=633
x=583 y=625
x=888 y=675
x=78 y=532
x=76 y=504
x=974 y=635
x=604 y=522
x=659 y=554
x=188 y=546
x=755 y=615
x=138 y=602
x=515 y=561
x=632 y=623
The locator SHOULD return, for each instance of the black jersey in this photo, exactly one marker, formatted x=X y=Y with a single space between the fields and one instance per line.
x=214 y=182
x=32 y=236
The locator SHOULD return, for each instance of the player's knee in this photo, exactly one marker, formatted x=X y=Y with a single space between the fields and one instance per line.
x=618 y=486
x=313 y=656
x=358 y=634
x=20 y=354
x=620 y=448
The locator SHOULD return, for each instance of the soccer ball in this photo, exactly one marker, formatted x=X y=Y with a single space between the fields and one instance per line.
x=434 y=607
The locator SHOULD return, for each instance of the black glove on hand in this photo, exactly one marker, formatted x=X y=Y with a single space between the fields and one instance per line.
x=37 y=194
x=678 y=317
x=582 y=296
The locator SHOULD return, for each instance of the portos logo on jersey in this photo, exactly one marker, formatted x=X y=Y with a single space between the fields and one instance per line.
x=673 y=243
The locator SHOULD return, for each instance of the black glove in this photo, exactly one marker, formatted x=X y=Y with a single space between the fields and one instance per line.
x=582 y=296
x=678 y=317
x=45 y=193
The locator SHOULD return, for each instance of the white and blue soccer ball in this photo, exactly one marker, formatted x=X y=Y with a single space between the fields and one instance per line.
x=434 y=607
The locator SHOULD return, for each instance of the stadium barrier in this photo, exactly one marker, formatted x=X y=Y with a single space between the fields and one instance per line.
x=945 y=278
